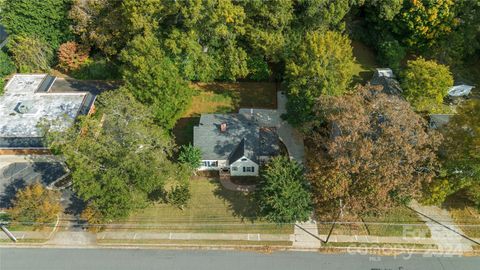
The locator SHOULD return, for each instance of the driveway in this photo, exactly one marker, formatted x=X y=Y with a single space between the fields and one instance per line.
x=290 y=136
x=18 y=171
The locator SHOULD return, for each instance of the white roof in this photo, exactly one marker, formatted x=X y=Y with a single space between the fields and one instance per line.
x=20 y=96
x=385 y=72
x=460 y=90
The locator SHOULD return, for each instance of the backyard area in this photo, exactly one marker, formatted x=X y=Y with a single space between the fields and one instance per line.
x=365 y=62
x=212 y=209
x=223 y=98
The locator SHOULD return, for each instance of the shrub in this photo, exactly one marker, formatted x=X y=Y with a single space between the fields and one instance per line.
x=71 y=55
x=6 y=65
x=30 y=54
x=190 y=156
x=179 y=195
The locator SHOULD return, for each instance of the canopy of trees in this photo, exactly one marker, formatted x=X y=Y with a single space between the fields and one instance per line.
x=154 y=80
x=283 y=194
x=370 y=150
x=461 y=152
x=426 y=84
x=45 y=20
x=321 y=65
x=35 y=205
x=119 y=158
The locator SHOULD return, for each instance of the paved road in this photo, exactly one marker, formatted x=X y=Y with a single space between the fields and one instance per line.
x=106 y=259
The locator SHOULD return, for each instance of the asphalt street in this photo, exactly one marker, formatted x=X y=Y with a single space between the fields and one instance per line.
x=120 y=259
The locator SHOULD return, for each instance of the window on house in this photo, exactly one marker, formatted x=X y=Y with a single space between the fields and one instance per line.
x=248 y=169
x=244 y=159
x=210 y=163
x=204 y=164
x=234 y=169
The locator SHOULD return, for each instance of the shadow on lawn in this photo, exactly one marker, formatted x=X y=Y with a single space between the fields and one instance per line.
x=241 y=204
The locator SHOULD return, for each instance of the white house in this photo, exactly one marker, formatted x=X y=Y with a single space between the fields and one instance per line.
x=234 y=143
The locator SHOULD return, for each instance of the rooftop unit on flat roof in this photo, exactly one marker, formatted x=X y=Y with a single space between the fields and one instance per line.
x=27 y=102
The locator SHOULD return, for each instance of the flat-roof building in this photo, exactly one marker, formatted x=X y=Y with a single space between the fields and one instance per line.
x=27 y=102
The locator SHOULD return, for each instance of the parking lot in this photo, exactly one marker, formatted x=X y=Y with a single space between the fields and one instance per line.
x=20 y=172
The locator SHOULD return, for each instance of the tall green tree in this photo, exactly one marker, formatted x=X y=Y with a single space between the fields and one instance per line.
x=425 y=84
x=46 y=20
x=283 y=194
x=321 y=65
x=268 y=24
x=30 y=54
x=154 y=80
x=461 y=151
x=118 y=157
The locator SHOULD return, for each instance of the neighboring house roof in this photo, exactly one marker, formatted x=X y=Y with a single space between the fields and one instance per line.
x=439 y=120
x=243 y=137
x=386 y=78
x=28 y=100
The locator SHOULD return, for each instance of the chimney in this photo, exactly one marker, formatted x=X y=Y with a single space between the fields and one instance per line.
x=223 y=127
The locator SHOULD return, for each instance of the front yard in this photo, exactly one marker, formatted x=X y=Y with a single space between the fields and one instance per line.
x=399 y=221
x=465 y=215
x=212 y=209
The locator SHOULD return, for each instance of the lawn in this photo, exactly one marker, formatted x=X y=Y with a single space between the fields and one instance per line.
x=211 y=209
x=365 y=62
x=465 y=215
x=223 y=98
x=398 y=221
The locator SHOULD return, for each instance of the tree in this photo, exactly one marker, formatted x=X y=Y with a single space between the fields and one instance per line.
x=267 y=27
x=391 y=54
x=35 y=205
x=100 y=24
x=460 y=153
x=283 y=193
x=321 y=65
x=45 y=20
x=71 y=55
x=29 y=54
x=321 y=14
x=154 y=80
x=190 y=156
x=118 y=156
x=422 y=23
x=371 y=151
x=425 y=84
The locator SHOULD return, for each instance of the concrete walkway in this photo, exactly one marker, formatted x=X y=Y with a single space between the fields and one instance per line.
x=192 y=236
x=445 y=237
x=305 y=235
x=6 y=160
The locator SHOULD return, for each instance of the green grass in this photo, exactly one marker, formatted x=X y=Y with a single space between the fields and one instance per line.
x=212 y=209
x=365 y=62
x=465 y=215
x=381 y=225
x=397 y=215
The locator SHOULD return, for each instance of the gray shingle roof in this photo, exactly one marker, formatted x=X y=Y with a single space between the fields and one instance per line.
x=243 y=137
